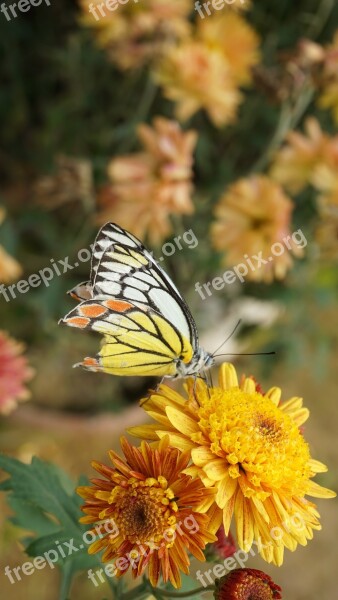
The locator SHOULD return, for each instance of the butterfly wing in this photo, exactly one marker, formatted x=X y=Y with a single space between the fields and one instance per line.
x=124 y=269
x=82 y=291
x=137 y=341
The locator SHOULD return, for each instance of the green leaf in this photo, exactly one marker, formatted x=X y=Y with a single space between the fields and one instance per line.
x=44 y=502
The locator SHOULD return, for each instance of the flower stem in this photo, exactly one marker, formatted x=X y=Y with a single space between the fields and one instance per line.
x=142 y=589
x=169 y=594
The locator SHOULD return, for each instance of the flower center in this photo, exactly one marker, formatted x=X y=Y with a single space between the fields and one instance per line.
x=144 y=511
x=256 y=438
x=247 y=584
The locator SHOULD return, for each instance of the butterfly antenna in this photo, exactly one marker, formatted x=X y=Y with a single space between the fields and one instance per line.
x=228 y=338
x=246 y=354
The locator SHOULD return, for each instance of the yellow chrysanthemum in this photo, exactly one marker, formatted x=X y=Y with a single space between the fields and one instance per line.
x=156 y=512
x=248 y=445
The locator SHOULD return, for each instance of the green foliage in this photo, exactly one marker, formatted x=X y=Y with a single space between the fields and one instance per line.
x=43 y=501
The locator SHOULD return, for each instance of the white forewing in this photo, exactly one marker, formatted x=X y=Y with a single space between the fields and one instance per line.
x=124 y=269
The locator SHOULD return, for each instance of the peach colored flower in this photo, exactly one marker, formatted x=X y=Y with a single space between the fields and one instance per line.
x=252 y=216
x=10 y=269
x=196 y=76
x=236 y=39
x=294 y=163
x=136 y=32
x=14 y=373
x=205 y=70
x=150 y=186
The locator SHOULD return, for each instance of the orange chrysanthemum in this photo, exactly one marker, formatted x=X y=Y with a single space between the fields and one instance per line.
x=136 y=31
x=157 y=511
x=10 y=269
x=247 y=584
x=252 y=216
x=151 y=186
x=14 y=373
x=249 y=446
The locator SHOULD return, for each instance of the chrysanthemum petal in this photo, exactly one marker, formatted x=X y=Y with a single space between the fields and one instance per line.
x=226 y=489
x=244 y=523
x=317 y=491
x=177 y=440
x=216 y=469
x=144 y=432
x=227 y=377
x=248 y=385
x=317 y=466
x=181 y=421
x=274 y=394
x=202 y=456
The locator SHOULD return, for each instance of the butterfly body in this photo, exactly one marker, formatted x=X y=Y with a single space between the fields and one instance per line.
x=147 y=326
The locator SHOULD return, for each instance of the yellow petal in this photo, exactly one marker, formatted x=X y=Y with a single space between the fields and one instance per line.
x=216 y=469
x=227 y=376
x=177 y=440
x=274 y=394
x=300 y=416
x=202 y=456
x=181 y=421
x=215 y=515
x=244 y=522
x=317 y=466
x=226 y=489
x=228 y=512
x=316 y=490
x=144 y=432
x=248 y=386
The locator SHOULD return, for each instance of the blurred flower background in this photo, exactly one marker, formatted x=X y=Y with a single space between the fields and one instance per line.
x=165 y=119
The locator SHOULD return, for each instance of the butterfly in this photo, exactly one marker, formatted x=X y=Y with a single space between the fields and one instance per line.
x=146 y=324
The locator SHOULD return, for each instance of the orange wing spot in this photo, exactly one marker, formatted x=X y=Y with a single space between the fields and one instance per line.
x=90 y=362
x=92 y=310
x=117 y=305
x=78 y=322
x=75 y=296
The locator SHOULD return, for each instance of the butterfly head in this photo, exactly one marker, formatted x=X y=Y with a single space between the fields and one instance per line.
x=200 y=361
